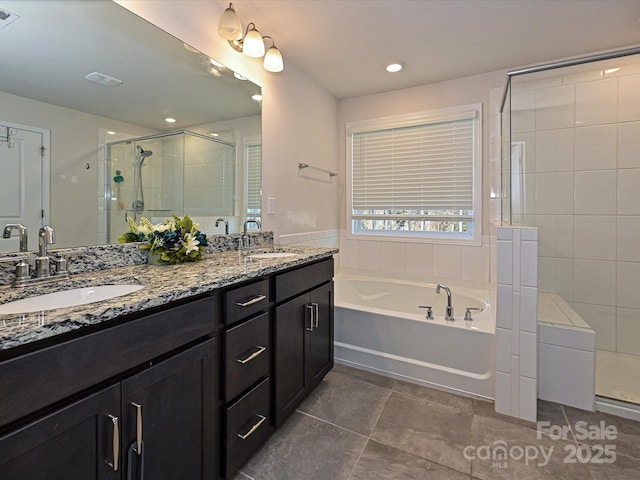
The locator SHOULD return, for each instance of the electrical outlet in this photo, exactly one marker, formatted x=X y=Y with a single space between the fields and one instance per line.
x=271 y=206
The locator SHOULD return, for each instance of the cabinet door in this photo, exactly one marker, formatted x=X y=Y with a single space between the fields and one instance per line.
x=77 y=442
x=320 y=339
x=289 y=347
x=169 y=418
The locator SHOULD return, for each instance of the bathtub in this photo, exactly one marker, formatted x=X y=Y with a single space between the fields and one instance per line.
x=379 y=327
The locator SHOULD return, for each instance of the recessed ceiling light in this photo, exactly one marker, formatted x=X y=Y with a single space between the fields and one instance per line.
x=394 y=67
x=110 y=132
x=214 y=134
x=170 y=120
x=257 y=97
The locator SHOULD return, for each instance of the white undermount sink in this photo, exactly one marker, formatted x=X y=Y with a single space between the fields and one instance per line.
x=273 y=255
x=67 y=298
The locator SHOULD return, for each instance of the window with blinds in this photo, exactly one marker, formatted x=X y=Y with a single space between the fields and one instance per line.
x=416 y=175
x=254 y=182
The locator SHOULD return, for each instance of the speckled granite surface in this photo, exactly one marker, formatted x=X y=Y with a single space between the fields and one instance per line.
x=163 y=284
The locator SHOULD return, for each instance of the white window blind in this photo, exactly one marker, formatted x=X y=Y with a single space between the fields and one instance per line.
x=418 y=167
x=254 y=180
x=417 y=175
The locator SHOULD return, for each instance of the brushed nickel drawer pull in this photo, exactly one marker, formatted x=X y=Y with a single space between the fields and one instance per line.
x=138 y=426
x=254 y=428
x=259 y=350
x=257 y=299
x=316 y=315
x=116 y=442
x=311 y=317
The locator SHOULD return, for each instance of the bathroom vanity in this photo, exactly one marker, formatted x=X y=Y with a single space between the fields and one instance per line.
x=184 y=379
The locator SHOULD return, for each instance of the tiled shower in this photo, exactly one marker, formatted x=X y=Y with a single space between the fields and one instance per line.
x=575 y=174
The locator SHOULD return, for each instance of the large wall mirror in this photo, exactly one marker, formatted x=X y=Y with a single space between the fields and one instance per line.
x=86 y=89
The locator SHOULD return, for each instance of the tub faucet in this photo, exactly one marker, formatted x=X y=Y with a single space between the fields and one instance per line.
x=449 y=315
x=46 y=236
x=245 y=235
x=22 y=231
x=226 y=224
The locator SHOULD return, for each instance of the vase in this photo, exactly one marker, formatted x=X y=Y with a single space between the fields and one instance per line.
x=156 y=259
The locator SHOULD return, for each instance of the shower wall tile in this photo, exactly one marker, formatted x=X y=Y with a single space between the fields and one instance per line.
x=627 y=235
x=596 y=147
x=503 y=340
x=629 y=98
x=629 y=145
x=628 y=191
x=523 y=108
x=595 y=193
x=628 y=331
x=554 y=107
x=602 y=320
x=594 y=237
x=554 y=150
x=628 y=279
x=597 y=102
x=476 y=263
x=594 y=282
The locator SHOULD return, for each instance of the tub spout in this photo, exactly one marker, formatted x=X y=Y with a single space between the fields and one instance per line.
x=449 y=313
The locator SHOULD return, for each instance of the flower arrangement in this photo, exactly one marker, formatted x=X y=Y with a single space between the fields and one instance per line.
x=176 y=240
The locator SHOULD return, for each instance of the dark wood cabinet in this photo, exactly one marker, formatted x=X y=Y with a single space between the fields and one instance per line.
x=77 y=442
x=155 y=419
x=303 y=339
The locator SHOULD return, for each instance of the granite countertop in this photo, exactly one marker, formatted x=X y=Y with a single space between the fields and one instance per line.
x=163 y=284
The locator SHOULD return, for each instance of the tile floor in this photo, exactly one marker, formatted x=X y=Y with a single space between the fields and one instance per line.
x=357 y=425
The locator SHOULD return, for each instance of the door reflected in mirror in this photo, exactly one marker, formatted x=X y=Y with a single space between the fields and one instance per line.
x=55 y=45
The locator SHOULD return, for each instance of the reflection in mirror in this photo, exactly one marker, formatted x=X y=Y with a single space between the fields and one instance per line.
x=57 y=127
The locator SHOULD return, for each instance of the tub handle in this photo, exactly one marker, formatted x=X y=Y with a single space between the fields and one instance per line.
x=467 y=313
x=429 y=311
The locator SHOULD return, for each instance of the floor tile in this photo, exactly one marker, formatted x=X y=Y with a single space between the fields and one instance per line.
x=307 y=448
x=364 y=375
x=623 y=468
x=347 y=402
x=432 y=431
x=627 y=432
x=382 y=462
x=487 y=409
x=459 y=402
x=503 y=450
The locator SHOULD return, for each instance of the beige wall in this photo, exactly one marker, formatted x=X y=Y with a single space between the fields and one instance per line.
x=298 y=119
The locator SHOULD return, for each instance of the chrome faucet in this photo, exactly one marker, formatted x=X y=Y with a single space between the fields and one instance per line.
x=226 y=224
x=245 y=235
x=449 y=314
x=46 y=236
x=22 y=231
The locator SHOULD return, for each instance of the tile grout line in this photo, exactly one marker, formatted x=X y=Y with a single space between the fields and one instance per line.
x=355 y=466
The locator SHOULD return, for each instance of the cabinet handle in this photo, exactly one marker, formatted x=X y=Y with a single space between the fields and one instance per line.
x=115 y=443
x=311 y=317
x=254 y=427
x=316 y=315
x=257 y=299
x=259 y=350
x=138 y=426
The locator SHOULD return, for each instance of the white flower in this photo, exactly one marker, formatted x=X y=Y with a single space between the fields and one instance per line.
x=190 y=243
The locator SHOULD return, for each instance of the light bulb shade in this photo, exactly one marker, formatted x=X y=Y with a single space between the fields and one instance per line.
x=230 y=26
x=253 y=45
x=273 y=60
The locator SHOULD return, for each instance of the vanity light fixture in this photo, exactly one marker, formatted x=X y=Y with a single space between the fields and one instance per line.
x=252 y=43
x=170 y=120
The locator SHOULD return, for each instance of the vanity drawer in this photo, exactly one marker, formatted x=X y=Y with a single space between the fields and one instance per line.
x=242 y=302
x=292 y=283
x=247 y=352
x=248 y=426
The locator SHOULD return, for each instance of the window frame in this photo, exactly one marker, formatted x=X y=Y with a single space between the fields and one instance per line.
x=413 y=119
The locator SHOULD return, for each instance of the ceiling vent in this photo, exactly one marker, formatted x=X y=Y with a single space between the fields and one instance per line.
x=102 y=79
x=6 y=18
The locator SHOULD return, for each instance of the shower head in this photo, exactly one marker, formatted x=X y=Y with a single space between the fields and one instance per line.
x=143 y=154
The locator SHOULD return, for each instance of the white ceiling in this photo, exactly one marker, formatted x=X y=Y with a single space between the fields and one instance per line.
x=344 y=44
